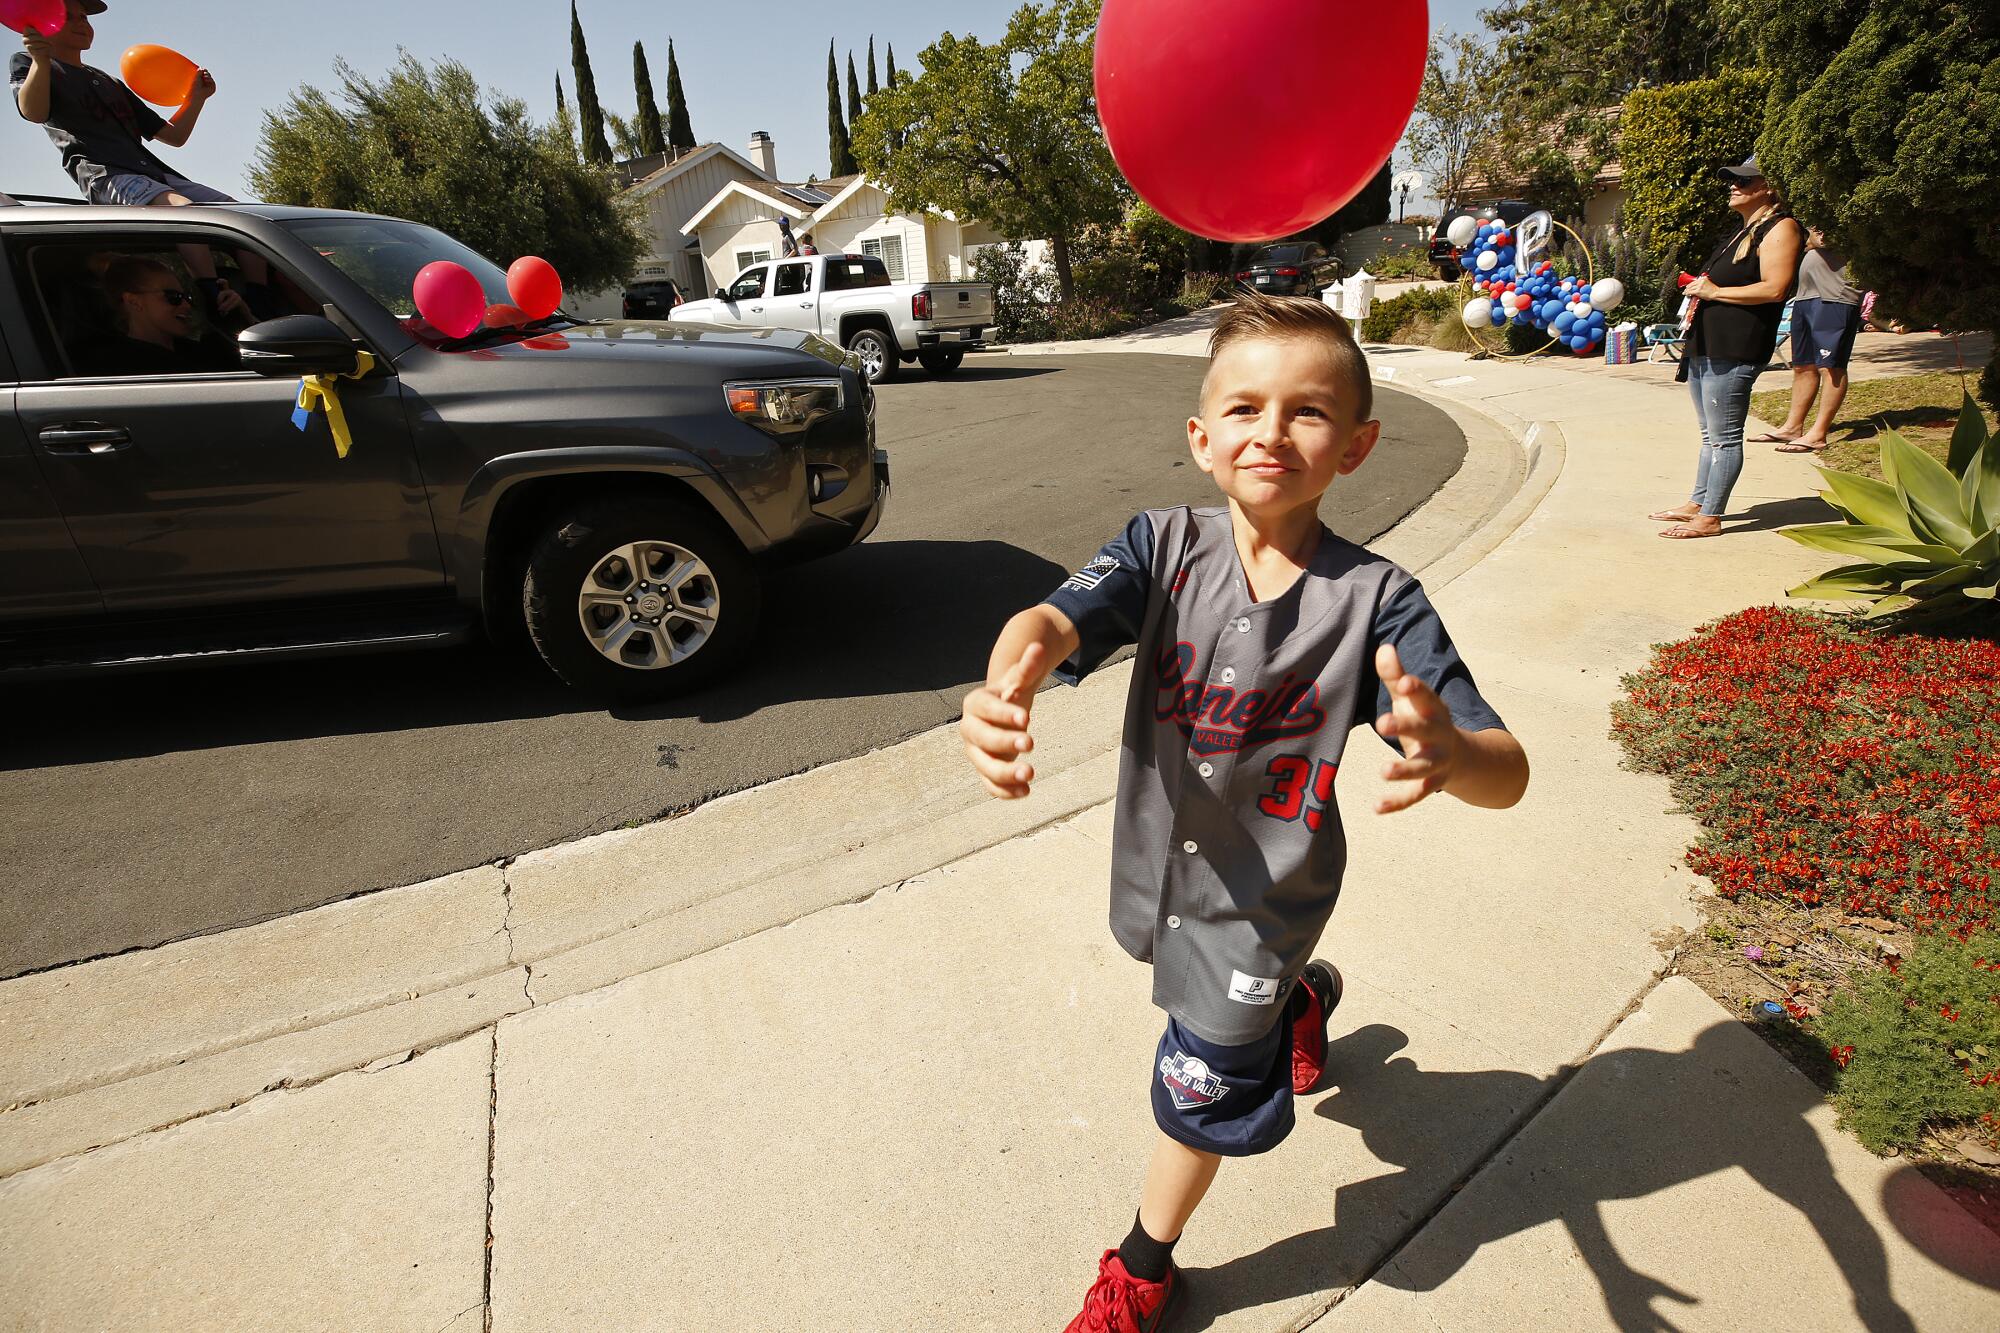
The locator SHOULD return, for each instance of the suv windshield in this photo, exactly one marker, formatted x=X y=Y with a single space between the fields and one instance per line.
x=383 y=255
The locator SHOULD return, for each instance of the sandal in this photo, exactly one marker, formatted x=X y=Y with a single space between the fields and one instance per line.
x=1671 y=516
x=1682 y=532
x=1801 y=447
x=1772 y=437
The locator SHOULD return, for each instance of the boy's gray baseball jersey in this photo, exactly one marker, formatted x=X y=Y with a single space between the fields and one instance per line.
x=1227 y=848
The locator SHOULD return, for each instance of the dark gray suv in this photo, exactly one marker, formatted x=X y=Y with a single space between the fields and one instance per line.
x=612 y=487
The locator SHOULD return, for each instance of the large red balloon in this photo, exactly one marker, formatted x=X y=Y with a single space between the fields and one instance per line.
x=449 y=297
x=1255 y=119
x=48 y=17
x=533 y=284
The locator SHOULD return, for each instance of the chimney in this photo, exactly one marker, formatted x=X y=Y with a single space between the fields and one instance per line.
x=764 y=153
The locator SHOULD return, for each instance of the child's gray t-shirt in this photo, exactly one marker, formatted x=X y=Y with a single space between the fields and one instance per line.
x=1227 y=848
x=96 y=122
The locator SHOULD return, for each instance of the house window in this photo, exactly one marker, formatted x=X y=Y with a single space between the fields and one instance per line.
x=745 y=258
x=888 y=249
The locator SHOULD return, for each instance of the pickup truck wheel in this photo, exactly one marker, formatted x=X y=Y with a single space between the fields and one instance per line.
x=878 y=354
x=942 y=362
x=633 y=599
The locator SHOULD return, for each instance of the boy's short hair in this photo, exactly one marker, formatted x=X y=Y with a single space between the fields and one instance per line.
x=1283 y=318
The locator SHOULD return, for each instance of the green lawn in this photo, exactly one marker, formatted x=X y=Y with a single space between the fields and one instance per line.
x=1922 y=408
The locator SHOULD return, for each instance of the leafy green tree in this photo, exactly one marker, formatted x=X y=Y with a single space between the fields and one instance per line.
x=839 y=150
x=1006 y=132
x=1458 y=108
x=590 y=114
x=1564 y=65
x=624 y=135
x=853 y=92
x=426 y=144
x=679 y=133
x=1883 y=129
x=652 y=131
x=874 y=86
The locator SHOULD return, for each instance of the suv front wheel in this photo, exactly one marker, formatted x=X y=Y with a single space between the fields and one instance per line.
x=634 y=598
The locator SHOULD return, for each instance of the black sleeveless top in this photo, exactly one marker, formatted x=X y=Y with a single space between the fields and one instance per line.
x=1737 y=332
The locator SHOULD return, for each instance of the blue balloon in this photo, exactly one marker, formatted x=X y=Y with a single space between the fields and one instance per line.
x=1499 y=316
x=1563 y=319
x=1506 y=254
x=1579 y=343
x=1465 y=261
x=1550 y=309
x=1597 y=319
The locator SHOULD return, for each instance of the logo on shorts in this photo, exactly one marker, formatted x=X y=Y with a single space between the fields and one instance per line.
x=1190 y=1082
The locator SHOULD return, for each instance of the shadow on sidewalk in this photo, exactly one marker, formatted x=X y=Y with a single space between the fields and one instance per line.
x=1654 y=1121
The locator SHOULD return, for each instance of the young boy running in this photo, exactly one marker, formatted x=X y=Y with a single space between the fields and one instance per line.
x=1262 y=640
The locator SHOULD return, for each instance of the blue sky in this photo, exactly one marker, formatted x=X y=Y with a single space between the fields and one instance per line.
x=750 y=66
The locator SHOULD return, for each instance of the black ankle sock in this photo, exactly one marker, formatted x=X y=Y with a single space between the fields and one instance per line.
x=1145 y=1258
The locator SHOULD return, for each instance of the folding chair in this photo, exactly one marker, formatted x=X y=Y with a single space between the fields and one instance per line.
x=1666 y=339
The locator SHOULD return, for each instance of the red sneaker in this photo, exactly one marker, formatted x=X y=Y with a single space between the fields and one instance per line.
x=1121 y=1303
x=1322 y=986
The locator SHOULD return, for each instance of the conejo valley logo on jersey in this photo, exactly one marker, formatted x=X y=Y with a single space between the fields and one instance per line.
x=1190 y=1082
x=1219 y=718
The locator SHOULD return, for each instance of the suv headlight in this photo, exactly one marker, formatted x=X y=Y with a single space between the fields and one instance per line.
x=783 y=408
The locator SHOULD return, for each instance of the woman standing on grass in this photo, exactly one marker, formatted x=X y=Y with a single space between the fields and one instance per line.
x=1740 y=298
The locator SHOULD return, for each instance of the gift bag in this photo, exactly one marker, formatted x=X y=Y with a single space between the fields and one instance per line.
x=1621 y=344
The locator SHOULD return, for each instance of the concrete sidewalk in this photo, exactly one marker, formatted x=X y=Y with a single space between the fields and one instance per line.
x=855 y=1050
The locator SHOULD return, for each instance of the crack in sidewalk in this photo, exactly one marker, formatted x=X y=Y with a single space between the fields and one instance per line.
x=492 y=1132
x=1551 y=1090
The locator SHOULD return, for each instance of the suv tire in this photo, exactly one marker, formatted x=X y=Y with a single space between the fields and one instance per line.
x=878 y=353
x=942 y=361
x=594 y=560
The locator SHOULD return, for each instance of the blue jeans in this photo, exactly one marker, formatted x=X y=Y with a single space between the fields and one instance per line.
x=1721 y=392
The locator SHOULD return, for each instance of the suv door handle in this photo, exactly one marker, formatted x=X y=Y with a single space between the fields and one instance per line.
x=85 y=437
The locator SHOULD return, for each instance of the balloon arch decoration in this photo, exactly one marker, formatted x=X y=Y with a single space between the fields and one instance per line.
x=1516 y=280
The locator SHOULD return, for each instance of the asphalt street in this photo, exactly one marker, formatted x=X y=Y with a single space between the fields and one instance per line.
x=147 y=808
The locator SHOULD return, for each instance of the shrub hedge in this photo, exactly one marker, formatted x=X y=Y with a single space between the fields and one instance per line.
x=1671 y=141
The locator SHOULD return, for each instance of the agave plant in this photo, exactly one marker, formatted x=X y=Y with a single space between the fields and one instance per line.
x=1926 y=538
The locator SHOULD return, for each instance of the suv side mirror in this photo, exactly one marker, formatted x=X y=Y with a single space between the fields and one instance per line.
x=296 y=345
x=721 y=295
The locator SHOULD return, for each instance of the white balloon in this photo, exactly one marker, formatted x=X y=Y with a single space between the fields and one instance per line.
x=1606 y=293
x=1487 y=261
x=1478 y=312
x=1582 y=309
x=1462 y=230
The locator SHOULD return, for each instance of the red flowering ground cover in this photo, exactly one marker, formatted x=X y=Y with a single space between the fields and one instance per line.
x=1847 y=782
x=1831 y=765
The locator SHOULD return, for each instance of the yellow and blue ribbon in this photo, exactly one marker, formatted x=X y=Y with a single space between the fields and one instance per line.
x=321 y=391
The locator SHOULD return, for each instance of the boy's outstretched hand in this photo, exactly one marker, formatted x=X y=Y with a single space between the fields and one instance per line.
x=994 y=724
x=1422 y=724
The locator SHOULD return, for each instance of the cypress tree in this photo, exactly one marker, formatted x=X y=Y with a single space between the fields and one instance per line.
x=596 y=148
x=839 y=150
x=679 y=134
x=853 y=94
x=892 y=64
x=562 y=104
x=652 y=133
x=873 y=86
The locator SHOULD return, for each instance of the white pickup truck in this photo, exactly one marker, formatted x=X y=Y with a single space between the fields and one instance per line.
x=849 y=299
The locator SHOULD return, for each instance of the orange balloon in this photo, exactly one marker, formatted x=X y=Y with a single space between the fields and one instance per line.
x=159 y=74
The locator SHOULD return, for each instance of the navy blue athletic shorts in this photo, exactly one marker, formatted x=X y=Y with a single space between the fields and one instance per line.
x=1235 y=1101
x=1823 y=333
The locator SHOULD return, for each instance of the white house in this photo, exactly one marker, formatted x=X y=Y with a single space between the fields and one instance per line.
x=672 y=187
x=738 y=226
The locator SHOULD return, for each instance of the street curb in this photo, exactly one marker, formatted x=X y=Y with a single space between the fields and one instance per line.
x=111 y=1049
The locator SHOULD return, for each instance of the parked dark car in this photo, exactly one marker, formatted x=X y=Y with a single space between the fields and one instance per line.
x=651 y=299
x=611 y=488
x=1444 y=255
x=1289 y=268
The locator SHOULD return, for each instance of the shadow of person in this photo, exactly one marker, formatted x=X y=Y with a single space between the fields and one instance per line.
x=1774 y=514
x=1635 y=1122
